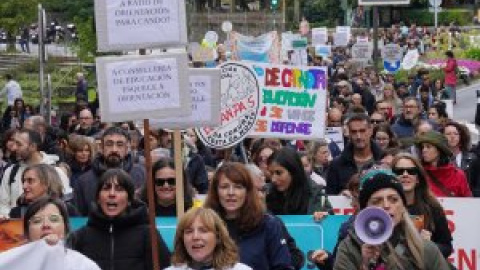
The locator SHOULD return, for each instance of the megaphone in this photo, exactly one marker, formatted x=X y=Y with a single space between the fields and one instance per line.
x=373 y=225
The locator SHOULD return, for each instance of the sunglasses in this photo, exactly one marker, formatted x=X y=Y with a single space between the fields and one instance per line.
x=159 y=182
x=410 y=171
x=374 y=121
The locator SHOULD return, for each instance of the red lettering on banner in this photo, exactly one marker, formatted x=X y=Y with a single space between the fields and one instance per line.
x=271 y=77
x=232 y=112
x=465 y=260
x=451 y=224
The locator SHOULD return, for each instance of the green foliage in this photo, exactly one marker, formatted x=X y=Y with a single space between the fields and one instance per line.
x=424 y=17
x=87 y=40
x=472 y=54
x=323 y=12
x=15 y=14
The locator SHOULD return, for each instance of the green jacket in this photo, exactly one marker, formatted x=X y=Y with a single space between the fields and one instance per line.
x=349 y=256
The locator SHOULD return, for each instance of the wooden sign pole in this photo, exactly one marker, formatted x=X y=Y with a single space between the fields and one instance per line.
x=150 y=195
x=177 y=149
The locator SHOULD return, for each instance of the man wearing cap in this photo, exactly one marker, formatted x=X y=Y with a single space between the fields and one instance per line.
x=444 y=178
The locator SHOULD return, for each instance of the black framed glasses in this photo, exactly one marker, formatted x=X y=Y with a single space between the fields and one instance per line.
x=376 y=121
x=410 y=170
x=159 y=182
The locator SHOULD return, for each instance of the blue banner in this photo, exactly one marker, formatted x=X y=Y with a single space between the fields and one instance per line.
x=308 y=234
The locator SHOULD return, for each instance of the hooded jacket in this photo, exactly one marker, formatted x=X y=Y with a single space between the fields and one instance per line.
x=86 y=184
x=452 y=178
x=343 y=167
x=119 y=243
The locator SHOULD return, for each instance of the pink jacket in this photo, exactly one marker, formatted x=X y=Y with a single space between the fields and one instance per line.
x=450 y=75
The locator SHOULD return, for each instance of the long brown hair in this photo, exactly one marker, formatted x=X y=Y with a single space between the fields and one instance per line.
x=425 y=201
x=225 y=253
x=252 y=211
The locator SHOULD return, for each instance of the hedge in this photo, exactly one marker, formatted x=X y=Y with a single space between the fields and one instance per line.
x=423 y=17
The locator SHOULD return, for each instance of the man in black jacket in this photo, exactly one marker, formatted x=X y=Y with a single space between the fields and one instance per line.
x=360 y=152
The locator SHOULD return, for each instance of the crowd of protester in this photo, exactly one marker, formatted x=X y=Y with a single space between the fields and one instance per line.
x=402 y=152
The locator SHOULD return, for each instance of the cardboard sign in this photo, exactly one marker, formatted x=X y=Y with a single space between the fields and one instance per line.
x=239 y=106
x=205 y=95
x=202 y=54
x=129 y=25
x=319 y=36
x=293 y=102
x=140 y=87
x=362 y=52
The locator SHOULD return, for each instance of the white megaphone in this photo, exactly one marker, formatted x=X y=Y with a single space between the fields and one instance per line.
x=373 y=225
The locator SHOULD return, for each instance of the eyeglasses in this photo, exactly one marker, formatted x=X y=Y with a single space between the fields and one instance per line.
x=410 y=170
x=375 y=121
x=161 y=181
x=39 y=220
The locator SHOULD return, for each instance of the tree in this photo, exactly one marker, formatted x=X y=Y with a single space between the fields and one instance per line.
x=15 y=14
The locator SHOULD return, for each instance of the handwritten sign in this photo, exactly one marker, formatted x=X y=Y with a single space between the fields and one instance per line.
x=410 y=59
x=293 y=102
x=205 y=95
x=133 y=87
x=319 y=36
x=239 y=106
x=128 y=24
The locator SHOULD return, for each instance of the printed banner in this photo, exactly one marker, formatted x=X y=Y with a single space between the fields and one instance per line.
x=130 y=25
x=293 y=101
x=264 y=48
x=463 y=219
x=11 y=234
x=239 y=106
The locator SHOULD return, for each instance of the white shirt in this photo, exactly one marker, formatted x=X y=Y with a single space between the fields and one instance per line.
x=13 y=90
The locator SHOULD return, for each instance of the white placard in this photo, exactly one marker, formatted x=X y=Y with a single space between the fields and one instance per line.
x=335 y=134
x=134 y=24
x=319 y=36
x=410 y=59
x=140 y=87
x=340 y=39
x=205 y=95
x=362 y=52
x=392 y=53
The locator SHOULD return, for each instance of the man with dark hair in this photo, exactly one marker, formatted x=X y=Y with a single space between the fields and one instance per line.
x=47 y=133
x=86 y=123
x=405 y=124
x=114 y=153
x=359 y=153
x=13 y=90
x=28 y=153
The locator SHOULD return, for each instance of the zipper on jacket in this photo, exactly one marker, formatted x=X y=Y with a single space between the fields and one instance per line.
x=112 y=244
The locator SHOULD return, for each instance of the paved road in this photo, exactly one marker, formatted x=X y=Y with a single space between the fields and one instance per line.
x=52 y=49
x=466 y=103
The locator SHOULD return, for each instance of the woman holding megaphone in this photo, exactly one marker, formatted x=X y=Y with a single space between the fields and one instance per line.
x=403 y=249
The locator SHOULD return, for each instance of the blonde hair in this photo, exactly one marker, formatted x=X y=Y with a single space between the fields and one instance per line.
x=49 y=177
x=225 y=253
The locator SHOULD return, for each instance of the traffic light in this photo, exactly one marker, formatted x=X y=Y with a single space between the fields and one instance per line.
x=274 y=4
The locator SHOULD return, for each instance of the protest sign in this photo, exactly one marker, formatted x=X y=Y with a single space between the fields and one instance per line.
x=130 y=25
x=392 y=55
x=335 y=134
x=323 y=50
x=463 y=219
x=410 y=59
x=319 y=36
x=340 y=39
x=264 y=48
x=239 y=106
x=205 y=95
x=293 y=102
x=133 y=87
x=299 y=57
x=11 y=234
x=362 y=52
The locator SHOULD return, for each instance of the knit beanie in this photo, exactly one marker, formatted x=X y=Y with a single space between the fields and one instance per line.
x=376 y=180
x=436 y=139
